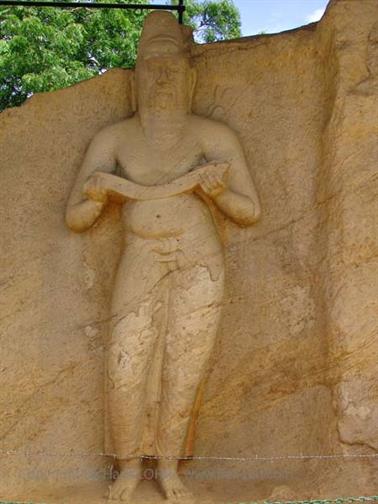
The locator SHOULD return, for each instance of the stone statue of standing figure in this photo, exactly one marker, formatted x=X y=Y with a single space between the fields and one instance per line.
x=167 y=297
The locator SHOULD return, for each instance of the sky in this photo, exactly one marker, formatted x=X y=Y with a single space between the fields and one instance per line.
x=273 y=16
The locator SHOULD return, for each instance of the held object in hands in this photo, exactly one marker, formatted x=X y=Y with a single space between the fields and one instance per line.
x=120 y=189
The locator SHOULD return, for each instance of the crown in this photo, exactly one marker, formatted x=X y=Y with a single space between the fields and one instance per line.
x=161 y=28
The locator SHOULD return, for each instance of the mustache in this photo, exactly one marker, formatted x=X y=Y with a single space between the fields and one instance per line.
x=165 y=97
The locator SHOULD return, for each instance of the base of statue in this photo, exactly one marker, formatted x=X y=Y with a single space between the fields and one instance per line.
x=328 y=480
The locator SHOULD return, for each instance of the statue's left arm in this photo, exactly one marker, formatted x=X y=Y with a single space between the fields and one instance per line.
x=237 y=198
x=83 y=211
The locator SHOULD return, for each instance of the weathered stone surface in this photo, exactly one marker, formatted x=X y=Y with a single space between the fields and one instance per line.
x=295 y=367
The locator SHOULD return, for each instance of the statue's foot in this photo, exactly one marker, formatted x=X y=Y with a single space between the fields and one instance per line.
x=123 y=487
x=174 y=489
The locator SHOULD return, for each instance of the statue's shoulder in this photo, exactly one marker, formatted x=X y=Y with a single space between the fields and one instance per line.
x=115 y=132
x=209 y=129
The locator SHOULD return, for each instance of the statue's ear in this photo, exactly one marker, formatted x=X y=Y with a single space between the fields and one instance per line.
x=193 y=82
x=133 y=97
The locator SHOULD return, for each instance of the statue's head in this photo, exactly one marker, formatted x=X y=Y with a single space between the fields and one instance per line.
x=164 y=77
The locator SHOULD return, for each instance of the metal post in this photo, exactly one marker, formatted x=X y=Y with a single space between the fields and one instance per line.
x=180 y=8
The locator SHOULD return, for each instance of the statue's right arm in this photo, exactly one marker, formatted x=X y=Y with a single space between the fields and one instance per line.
x=82 y=211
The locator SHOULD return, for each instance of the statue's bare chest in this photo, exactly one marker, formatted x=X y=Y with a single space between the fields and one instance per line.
x=146 y=165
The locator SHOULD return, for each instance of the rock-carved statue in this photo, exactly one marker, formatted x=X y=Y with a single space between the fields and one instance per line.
x=168 y=291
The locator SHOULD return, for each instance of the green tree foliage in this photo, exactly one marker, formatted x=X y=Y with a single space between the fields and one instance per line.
x=43 y=49
x=213 y=20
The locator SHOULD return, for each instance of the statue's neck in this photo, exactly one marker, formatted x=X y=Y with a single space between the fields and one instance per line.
x=163 y=129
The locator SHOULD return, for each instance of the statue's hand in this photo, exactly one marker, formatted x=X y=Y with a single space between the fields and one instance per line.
x=213 y=184
x=95 y=189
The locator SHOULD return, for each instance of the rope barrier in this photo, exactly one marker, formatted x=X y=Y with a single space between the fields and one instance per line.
x=199 y=457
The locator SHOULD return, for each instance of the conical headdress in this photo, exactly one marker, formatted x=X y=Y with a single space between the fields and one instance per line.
x=161 y=34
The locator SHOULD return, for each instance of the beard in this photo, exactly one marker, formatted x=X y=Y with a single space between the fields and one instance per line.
x=162 y=124
x=164 y=108
x=163 y=111
x=162 y=101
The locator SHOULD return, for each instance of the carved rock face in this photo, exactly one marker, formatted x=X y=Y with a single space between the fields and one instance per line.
x=168 y=292
x=163 y=84
x=294 y=367
x=163 y=80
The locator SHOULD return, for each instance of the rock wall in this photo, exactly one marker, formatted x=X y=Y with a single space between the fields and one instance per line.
x=347 y=193
x=294 y=372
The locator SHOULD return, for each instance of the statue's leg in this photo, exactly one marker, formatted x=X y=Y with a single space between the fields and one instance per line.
x=194 y=313
x=133 y=336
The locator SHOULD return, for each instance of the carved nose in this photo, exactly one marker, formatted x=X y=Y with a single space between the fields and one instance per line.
x=163 y=77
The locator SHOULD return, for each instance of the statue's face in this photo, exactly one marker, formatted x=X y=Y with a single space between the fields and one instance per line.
x=163 y=83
